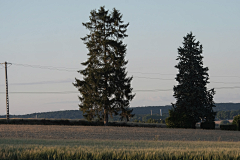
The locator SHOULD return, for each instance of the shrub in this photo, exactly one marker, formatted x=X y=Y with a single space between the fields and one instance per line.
x=135 y=120
x=236 y=119
x=179 y=120
x=207 y=125
x=150 y=120
x=228 y=127
x=224 y=122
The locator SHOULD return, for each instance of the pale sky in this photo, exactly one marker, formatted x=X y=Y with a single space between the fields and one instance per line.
x=35 y=34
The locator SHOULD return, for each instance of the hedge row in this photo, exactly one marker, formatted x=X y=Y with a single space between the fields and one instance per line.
x=207 y=125
x=230 y=127
x=50 y=122
x=76 y=122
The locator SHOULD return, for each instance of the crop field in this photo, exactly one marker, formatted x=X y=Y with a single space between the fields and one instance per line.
x=115 y=133
x=98 y=142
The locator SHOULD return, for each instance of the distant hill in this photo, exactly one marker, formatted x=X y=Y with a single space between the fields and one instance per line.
x=227 y=106
x=76 y=114
x=147 y=109
x=67 y=114
x=156 y=109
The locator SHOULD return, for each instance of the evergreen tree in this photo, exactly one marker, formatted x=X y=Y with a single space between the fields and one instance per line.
x=105 y=88
x=193 y=101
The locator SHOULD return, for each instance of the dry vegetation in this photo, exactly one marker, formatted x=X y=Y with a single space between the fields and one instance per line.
x=82 y=149
x=115 y=133
x=55 y=142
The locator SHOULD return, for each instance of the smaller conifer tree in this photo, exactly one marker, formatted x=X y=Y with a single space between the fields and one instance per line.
x=194 y=102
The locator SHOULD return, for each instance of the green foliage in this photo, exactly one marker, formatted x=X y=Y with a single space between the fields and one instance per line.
x=105 y=89
x=227 y=114
x=179 y=120
x=227 y=106
x=145 y=118
x=135 y=120
x=154 y=116
x=236 y=120
x=147 y=110
x=150 y=120
x=224 y=122
x=232 y=127
x=207 y=125
x=193 y=101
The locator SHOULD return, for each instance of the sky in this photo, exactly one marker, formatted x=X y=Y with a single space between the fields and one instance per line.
x=41 y=39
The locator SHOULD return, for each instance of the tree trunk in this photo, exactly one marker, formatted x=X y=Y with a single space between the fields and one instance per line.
x=105 y=117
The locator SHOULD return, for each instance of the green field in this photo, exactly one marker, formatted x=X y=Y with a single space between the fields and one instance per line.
x=40 y=149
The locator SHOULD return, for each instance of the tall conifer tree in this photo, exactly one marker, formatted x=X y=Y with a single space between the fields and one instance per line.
x=105 y=88
x=193 y=101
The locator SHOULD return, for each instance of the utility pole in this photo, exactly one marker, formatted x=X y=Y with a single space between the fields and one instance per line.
x=7 y=98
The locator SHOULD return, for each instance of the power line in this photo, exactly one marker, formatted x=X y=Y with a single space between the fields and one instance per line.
x=225 y=82
x=71 y=92
x=69 y=81
x=175 y=74
x=151 y=78
x=47 y=67
x=63 y=92
x=76 y=69
x=152 y=90
x=174 y=79
x=227 y=87
x=40 y=66
x=152 y=73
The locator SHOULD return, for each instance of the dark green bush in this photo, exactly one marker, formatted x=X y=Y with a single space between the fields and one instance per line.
x=224 y=122
x=179 y=120
x=150 y=120
x=231 y=127
x=207 y=125
x=236 y=119
x=74 y=122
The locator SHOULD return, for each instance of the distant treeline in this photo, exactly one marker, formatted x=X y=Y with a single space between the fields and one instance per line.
x=227 y=106
x=156 y=109
x=227 y=114
x=224 y=111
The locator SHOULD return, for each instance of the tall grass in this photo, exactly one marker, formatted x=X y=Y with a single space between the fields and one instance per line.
x=85 y=153
x=20 y=149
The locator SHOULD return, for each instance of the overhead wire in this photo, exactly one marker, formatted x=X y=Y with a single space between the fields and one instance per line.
x=47 y=67
x=71 y=92
x=71 y=70
x=75 y=69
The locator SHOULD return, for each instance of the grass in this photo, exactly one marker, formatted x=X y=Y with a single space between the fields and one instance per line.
x=115 y=149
